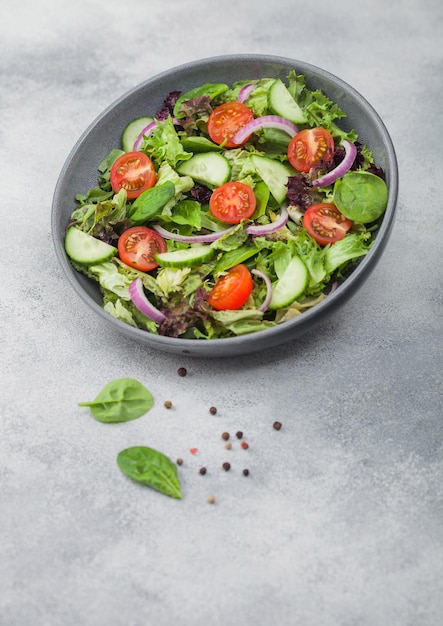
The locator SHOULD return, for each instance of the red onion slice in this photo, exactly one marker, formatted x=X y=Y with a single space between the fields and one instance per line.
x=142 y=303
x=266 y=121
x=147 y=129
x=245 y=92
x=264 y=229
x=264 y=305
x=208 y=238
x=341 y=169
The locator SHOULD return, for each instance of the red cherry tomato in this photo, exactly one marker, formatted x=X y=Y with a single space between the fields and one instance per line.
x=232 y=290
x=325 y=223
x=138 y=246
x=226 y=120
x=133 y=171
x=310 y=147
x=232 y=202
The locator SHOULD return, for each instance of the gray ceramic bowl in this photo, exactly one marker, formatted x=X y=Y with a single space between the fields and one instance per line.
x=79 y=174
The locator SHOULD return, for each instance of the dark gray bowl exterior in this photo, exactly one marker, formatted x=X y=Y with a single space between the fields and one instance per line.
x=79 y=174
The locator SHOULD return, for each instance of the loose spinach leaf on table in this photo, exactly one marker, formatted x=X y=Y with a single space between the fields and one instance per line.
x=121 y=400
x=150 y=468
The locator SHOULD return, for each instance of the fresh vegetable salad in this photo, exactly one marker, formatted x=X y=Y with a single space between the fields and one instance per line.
x=230 y=210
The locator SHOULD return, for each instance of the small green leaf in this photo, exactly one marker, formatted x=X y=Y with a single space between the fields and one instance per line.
x=150 y=468
x=150 y=203
x=361 y=196
x=121 y=400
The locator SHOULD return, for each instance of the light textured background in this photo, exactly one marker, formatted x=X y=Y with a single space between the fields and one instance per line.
x=340 y=520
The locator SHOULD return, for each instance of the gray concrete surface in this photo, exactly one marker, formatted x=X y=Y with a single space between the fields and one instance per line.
x=340 y=520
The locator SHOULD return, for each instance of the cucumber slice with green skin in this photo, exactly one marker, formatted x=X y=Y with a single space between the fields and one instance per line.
x=133 y=130
x=283 y=104
x=274 y=173
x=185 y=258
x=85 y=249
x=209 y=168
x=291 y=285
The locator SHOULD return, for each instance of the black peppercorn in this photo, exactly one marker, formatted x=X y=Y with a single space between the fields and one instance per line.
x=277 y=425
x=226 y=467
x=182 y=371
x=213 y=410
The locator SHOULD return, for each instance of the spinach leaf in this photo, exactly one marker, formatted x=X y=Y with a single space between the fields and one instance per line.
x=121 y=400
x=151 y=468
x=361 y=196
x=150 y=203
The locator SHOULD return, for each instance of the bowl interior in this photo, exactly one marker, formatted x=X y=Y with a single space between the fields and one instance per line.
x=79 y=174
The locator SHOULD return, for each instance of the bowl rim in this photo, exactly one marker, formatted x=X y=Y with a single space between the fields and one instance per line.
x=241 y=344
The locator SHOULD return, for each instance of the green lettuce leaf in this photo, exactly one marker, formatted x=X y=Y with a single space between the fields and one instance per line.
x=242 y=321
x=351 y=247
x=163 y=144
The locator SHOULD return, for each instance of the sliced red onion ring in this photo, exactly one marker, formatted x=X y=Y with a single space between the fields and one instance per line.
x=264 y=305
x=208 y=238
x=266 y=121
x=147 y=129
x=245 y=92
x=341 y=169
x=264 y=229
x=142 y=303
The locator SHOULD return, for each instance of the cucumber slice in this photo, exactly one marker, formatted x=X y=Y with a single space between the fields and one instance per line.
x=85 y=249
x=133 y=130
x=291 y=285
x=209 y=168
x=282 y=103
x=274 y=173
x=185 y=258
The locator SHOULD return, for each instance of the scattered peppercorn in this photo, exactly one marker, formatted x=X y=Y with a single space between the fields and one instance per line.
x=211 y=499
x=213 y=410
x=277 y=425
x=182 y=371
x=239 y=434
x=179 y=461
x=202 y=471
x=168 y=404
x=225 y=436
x=244 y=445
x=245 y=472
x=228 y=445
x=226 y=467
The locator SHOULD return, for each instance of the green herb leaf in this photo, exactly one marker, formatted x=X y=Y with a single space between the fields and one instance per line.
x=151 y=468
x=361 y=196
x=121 y=400
x=150 y=203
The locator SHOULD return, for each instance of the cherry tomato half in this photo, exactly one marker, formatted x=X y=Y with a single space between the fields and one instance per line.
x=133 y=171
x=226 y=120
x=232 y=202
x=138 y=246
x=325 y=223
x=232 y=290
x=310 y=147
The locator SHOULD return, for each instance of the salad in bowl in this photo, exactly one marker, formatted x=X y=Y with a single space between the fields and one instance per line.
x=230 y=209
